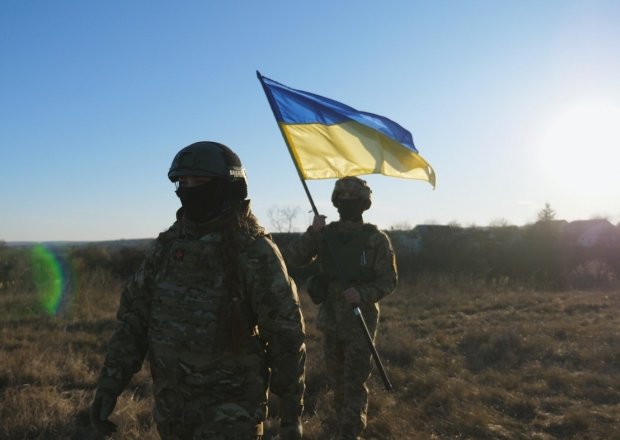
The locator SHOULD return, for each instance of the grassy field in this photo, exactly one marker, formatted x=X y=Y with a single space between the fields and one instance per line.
x=466 y=363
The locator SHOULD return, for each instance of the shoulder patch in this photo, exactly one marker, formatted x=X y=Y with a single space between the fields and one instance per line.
x=170 y=234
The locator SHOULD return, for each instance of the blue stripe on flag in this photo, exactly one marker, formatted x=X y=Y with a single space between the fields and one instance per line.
x=298 y=107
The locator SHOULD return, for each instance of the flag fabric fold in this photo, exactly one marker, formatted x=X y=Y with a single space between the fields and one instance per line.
x=328 y=139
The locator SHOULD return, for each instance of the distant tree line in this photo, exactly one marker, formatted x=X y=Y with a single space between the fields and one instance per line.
x=116 y=259
x=548 y=254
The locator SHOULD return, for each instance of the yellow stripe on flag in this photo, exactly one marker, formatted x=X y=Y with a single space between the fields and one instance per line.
x=349 y=149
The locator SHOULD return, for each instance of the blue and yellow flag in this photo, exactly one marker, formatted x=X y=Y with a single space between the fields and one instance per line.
x=329 y=139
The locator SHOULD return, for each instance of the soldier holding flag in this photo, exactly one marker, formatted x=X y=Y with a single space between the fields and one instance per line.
x=328 y=139
x=357 y=268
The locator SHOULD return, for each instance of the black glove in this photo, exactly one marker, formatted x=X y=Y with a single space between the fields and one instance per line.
x=102 y=407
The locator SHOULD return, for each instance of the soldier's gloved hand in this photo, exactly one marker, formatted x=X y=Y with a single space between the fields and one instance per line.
x=291 y=430
x=352 y=296
x=318 y=222
x=102 y=407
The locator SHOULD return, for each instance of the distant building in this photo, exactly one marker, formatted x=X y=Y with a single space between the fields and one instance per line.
x=591 y=233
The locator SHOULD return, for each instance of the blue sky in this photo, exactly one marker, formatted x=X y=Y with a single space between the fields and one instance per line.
x=514 y=104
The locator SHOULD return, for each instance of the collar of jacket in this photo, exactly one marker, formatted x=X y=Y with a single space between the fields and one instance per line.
x=193 y=229
x=345 y=226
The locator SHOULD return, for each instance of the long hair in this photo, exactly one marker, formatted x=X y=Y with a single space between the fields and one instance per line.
x=240 y=230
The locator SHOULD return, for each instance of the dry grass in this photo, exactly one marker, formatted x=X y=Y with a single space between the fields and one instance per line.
x=466 y=364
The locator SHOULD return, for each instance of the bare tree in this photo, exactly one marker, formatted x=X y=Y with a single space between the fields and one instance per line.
x=546 y=214
x=282 y=217
x=499 y=222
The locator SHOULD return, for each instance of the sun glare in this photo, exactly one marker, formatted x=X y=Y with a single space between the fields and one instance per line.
x=580 y=151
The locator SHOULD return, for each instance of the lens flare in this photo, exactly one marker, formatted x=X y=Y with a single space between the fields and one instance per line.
x=51 y=278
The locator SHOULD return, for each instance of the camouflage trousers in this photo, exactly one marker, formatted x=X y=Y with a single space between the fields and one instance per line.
x=199 y=418
x=349 y=363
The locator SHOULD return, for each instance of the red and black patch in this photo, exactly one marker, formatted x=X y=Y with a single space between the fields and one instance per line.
x=179 y=254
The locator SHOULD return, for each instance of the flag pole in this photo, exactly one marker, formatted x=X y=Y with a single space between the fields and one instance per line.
x=276 y=113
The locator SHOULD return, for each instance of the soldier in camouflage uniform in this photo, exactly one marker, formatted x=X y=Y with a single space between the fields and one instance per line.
x=357 y=266
x=215 y=311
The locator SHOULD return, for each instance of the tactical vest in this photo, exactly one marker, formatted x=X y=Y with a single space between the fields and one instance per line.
x=196 y=378
x=345 y=256
x=188 y=300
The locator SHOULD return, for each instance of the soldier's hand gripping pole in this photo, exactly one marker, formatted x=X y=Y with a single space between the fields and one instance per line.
x=373 y=349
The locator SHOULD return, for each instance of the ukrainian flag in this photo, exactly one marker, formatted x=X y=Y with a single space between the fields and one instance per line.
x=328 y=139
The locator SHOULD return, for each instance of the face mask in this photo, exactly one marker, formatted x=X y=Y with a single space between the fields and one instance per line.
x=350 y=209
x=203 y=202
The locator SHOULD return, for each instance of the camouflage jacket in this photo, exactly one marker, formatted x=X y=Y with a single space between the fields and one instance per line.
x=172 y=309
x=378 y=275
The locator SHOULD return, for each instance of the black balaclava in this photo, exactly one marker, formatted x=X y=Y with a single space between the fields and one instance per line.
x=350 y=209
x=204 y=202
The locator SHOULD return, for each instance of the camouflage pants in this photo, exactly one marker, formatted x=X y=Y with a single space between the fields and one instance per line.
x=348 y=362
x=200 y=419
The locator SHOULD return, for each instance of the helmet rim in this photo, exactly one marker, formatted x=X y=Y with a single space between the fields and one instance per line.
x=209 y=159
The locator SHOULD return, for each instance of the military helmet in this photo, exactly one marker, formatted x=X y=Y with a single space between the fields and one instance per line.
x=352 y=187
x=210 y=159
